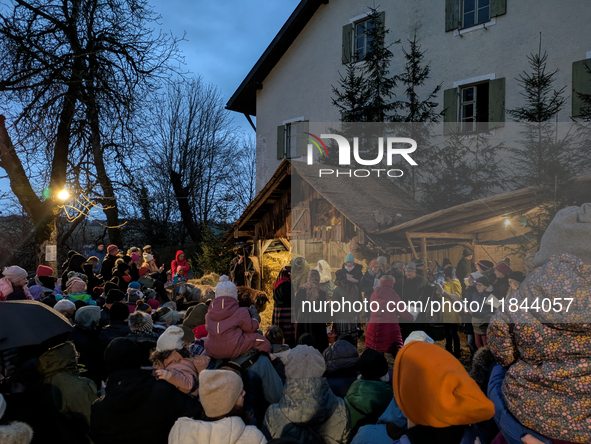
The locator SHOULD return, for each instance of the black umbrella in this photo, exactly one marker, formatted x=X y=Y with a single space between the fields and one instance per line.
x=29 y=323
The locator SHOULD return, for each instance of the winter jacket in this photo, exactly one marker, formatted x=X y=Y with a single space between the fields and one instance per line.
x=74 y=264
x=548 y=353
x=313 y=323
x=107 y=267
x=10 y=292
x=376 y=434
x=230 y=430
x=231 y=331
x=88 y=347
x=511 y=429
x=368 y=283
x=463 y=269
x=73 y=297
x=308 y=408
x=383 y=332
x=119 y=417
x=341 y=366
x=450 y=316
x=412 y=289
x=184 y=264
x=184 y=375
x=16 y=433
x=72 y=394
x=367 y=400
x=356 y=273
x=501 y=287
x=282 y=295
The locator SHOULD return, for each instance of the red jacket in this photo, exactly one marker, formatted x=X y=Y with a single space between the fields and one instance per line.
x=231 y=331
x=184 y=264
x=383 y=332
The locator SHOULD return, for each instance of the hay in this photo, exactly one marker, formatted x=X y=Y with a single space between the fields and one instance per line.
x=209 y=279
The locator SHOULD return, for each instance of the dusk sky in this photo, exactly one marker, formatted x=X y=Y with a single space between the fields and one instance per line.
x=224 y=38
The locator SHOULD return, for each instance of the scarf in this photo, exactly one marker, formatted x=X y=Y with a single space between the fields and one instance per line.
x=349 y=268
x=325 y=271
x=299 y=271
x=280 y=281
x=312 y=287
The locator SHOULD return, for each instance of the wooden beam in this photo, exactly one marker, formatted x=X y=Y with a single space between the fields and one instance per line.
x=424 y=250
x=238 y=234
x=412 y=247
x=285 y=243
x=441 y=235
x=266 y=245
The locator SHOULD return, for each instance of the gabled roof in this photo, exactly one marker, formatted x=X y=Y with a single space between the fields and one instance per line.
x=244 y=98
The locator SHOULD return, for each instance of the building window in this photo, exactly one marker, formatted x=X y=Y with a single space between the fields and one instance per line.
x=474 y=101
x=475 y=12
x=293 y=133
x=362 y=41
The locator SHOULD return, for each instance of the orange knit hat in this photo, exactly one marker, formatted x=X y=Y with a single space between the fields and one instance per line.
x=433 y=389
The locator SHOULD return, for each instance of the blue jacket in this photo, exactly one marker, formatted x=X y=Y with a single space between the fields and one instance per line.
x=376 y=434
x=511 y=429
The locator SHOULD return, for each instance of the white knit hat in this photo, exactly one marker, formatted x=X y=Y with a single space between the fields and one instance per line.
x=304 y=362
x=171 y=339
x=226 y=288
x=218 y=391
x=418 y=336
x=64 y=305
x=15 y=274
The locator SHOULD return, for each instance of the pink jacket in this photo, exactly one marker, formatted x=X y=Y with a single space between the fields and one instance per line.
x=184 y=373
x=231 y=331
x=7 y=289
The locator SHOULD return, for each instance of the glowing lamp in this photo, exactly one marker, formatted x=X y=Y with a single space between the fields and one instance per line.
x=63 y=195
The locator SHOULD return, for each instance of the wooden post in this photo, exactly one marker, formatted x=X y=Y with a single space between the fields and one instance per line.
x=474 y=250
x=412 y=247
x=424 y=251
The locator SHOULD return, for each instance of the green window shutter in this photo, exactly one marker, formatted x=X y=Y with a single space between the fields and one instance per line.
x=498 y=7
x=452 y=15
x=496 y=103
x=581 y=85
x=303 y=142
x=347 y=43
x=450 y=105
x=280 y=142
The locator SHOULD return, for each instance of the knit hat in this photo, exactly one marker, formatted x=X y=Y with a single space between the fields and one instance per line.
x=304 y=362
x=153 y=303
x=64 y=305
x=140 y=321
x=36 y=291
x=419 y=262
x=569 y=232
x=502 y=267
x=112 y=249
x=171 y=339
x=226 y=288
x=15 y=274
x=485 y=265
x=76 y=285
x=411 y=266
x=349 y=258
x=382 y=261
x=386 y=281
x=122 y=354
x=373 y=264
x=446 y=261
x=372 y=365
x=143 y=271
x=218 y=391
x=467 y=252
x=427 y=372
x=44 y=270
x=118 y=312
x=418 y=336
x=147 y=247
x=517 y=276
x=148 y=257
x=134 y=285
x=89 y=316
x=115 y=295
x=2 y=405
x=163 y=314
x=135 y=257
x=484 y=281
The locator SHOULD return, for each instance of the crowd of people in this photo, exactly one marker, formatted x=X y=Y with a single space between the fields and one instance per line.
x=137 y=367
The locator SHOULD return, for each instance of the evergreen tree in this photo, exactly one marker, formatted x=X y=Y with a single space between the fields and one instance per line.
x=376 y=70
x=352 y=95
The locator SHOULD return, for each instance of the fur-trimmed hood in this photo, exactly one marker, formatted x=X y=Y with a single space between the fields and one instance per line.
x=16 y=433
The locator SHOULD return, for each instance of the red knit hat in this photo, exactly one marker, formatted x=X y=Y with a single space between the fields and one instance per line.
x=112 y=248
x=143 y=271
x=44 y=270
x=502 y=267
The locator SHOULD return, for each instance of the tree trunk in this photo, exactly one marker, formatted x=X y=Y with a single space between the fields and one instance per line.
x=182 y=199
